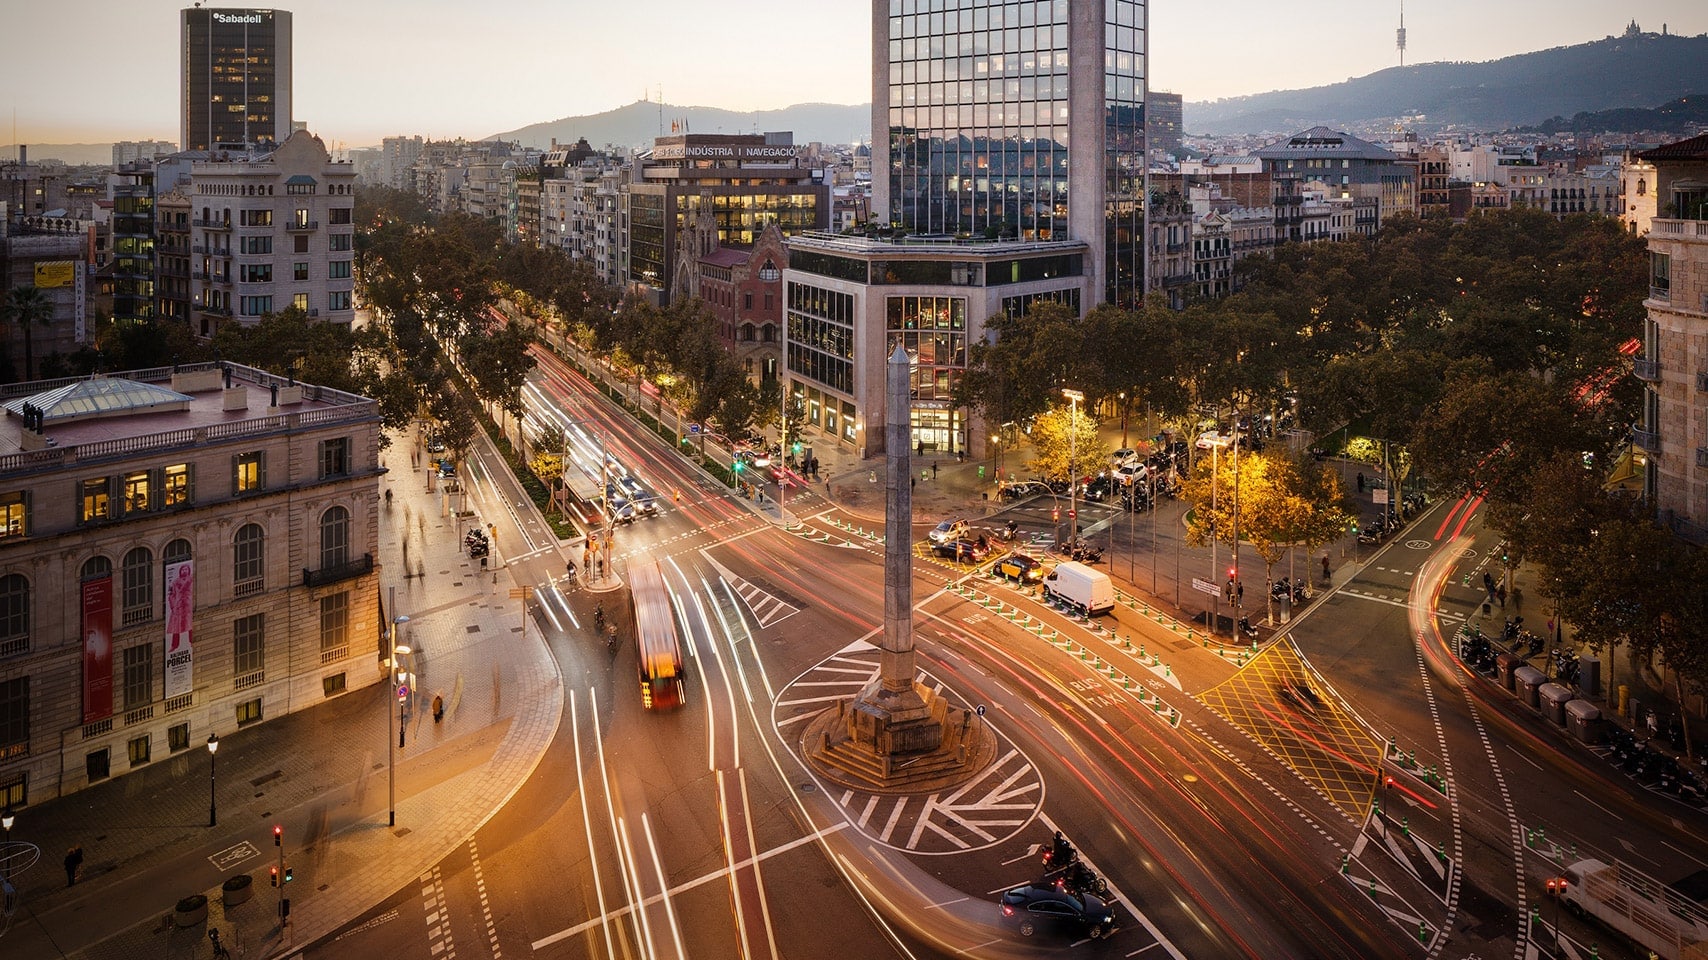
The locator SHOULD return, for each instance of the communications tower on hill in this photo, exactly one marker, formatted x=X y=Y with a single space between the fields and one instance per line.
x=1400 y=34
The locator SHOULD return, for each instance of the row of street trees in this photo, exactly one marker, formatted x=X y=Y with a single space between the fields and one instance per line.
x=1493 y=354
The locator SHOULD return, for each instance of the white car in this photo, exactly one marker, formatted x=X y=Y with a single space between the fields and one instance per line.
x=948 y=530
x=1122 y=457
x=1212 y=438
x=1132 y=473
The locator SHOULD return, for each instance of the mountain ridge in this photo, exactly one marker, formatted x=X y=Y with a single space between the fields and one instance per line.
x=1489 y=95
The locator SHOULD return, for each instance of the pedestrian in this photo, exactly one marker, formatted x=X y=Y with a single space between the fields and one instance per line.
x=1325 y=567
x=438 y=707
x=1360 y=481
x=911 y=483
x=921 y=448
x=933 y=471
x=73 y=865
x=1239 y=590
x=827 y=486
x=1500 y=592
x=1489 y=584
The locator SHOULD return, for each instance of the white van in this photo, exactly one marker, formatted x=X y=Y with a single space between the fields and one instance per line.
x=1080 y=586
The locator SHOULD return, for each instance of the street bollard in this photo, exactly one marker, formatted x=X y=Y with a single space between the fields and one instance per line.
x=1441 y=850
x=1422 y=933
x=1405 y=827
x=1530 y=838
x=1345 y=859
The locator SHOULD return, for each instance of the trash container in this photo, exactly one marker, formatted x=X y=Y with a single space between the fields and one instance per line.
x=1589 y=676
x=1505 y=664
x=1526 y=681
x=1553 y=698
x=1583 y=721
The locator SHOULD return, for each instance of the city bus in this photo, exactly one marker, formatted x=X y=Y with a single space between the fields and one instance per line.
x=662 y=683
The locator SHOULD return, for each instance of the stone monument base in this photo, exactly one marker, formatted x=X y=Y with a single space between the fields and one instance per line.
x=925 y=745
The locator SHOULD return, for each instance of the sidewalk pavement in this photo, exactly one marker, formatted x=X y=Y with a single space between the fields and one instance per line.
x=321 y=773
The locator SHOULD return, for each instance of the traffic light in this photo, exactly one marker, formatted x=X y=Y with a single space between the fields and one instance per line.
x=797 y=448
x=736 y=466
x=278 y=835
x=273 y=874
x=1055 y=514
x=284 y=909
x=288 y=876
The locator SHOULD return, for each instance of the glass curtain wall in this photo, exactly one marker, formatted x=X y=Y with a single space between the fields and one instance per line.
x=1124 y=149
x=978 y=94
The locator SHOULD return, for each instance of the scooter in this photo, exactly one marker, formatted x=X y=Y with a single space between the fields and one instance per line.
x=1246 y=628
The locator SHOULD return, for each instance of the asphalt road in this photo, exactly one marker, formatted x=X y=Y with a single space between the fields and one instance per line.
x=1229 y=818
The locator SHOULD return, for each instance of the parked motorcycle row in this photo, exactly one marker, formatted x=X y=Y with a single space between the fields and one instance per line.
x=1647 y=765
x=1639 y=759
x=1390 y=523
x=476 y=544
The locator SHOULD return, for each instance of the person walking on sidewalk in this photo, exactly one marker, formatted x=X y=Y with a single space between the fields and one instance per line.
x=1325 y=568
x=73 y=865
x=934 y=470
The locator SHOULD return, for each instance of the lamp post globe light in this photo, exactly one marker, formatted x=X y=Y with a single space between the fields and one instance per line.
x=1074 y=397
x=213 y=750
x=393 y=743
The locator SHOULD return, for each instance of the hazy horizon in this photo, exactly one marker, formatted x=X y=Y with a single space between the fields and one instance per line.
x=426 y=68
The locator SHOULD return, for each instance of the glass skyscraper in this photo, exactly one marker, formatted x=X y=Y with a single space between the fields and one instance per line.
x=236 y=82
x=1015 y=119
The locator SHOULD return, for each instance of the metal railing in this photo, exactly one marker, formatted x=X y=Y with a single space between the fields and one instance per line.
x=348 y=570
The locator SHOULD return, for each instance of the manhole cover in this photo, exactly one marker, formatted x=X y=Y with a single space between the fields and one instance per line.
x=808 y=787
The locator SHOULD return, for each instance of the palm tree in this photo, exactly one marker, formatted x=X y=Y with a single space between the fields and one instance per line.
x=25 y=307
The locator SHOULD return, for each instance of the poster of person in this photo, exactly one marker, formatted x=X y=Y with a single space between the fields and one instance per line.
x=97 y=649
x=180 y=603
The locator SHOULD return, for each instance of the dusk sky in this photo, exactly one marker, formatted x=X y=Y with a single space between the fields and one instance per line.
x=100 y=70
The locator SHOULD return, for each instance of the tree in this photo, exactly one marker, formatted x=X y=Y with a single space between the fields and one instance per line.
x=1066 y=444
x=454 y=421
x=24 y=309
x=499 y=362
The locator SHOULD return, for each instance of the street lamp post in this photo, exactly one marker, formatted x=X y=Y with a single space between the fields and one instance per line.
x=392 y=744
x=1074 y=397
x=213 y=749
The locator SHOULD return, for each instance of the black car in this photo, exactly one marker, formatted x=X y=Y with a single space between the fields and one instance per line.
x=1036 y=907
x=962 y=551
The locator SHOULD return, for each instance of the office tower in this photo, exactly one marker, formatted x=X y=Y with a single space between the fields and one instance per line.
x=236 y=78
x=1015 y=120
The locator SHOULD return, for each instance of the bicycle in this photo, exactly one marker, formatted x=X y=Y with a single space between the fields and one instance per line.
x=599 y=618
x=220 y=952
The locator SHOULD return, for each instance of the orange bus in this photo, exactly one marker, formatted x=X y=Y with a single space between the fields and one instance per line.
x=662 y=680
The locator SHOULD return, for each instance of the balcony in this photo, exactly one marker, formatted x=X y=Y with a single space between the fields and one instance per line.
x=1649 y=370
x=212 y=224
x=1702 y=456
x=216 y=311
x=1702 y=381
x=302 y=225
x=1679 y=229
x=348 y=570
x=1646 y=439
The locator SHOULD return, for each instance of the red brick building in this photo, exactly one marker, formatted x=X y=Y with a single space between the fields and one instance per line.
x=743 y=286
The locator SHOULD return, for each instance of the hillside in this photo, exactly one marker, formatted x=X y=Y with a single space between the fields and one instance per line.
x=636 y=124
x=1634 y=70
x=1681 y=118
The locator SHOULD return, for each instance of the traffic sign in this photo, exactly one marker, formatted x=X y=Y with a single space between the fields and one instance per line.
x=402 y=692
x=693 y=428
x=979 y=709
x=1205 y=586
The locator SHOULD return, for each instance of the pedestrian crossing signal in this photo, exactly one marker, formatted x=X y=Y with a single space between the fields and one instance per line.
x=288 y=877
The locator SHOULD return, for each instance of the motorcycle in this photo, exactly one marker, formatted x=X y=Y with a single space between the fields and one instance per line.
x=1010 y=531
x=599 y=618
x=1059 y=854
x=1246 y=628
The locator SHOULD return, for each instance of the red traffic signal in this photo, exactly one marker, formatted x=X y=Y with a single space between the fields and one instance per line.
x=1056 y=513
x=278 y=835
x=273 y=873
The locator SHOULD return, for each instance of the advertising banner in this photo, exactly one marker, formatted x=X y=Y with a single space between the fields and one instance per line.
x=180 y=603
x=97 y=649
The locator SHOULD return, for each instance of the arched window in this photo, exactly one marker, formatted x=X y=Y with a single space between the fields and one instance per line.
x=249 y=560
x=97 y=567
x=1642 y=186
x=334 y=538
x=14 y=614
x=178 y=549
x=137 y=600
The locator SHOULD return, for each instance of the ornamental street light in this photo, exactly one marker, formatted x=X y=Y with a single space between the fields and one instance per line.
x=1074 y=397
x=393 y=743
x=213 y=749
